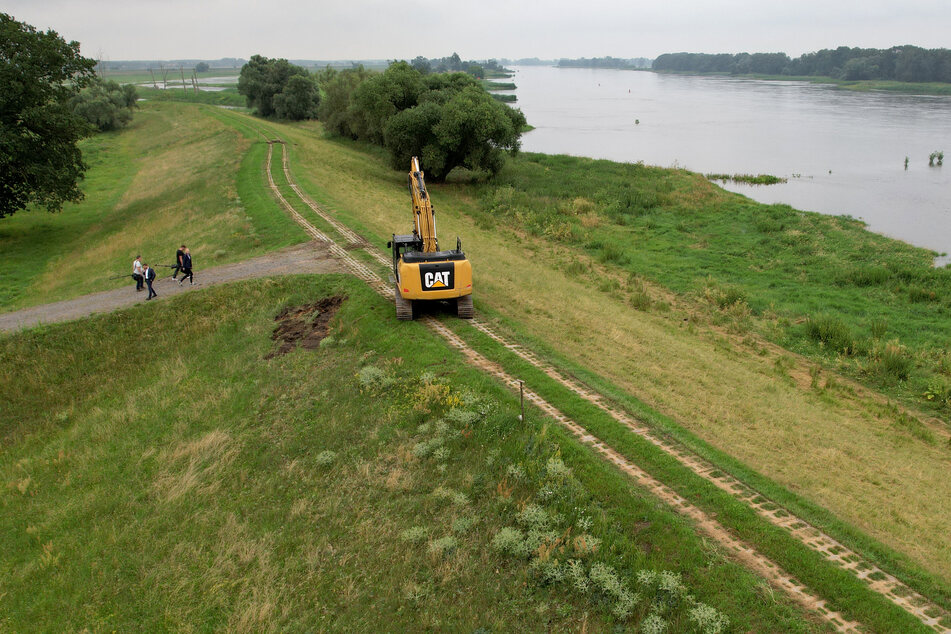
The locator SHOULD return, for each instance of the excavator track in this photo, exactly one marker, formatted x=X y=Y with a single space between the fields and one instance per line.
x=464 y=309
x=404 y=307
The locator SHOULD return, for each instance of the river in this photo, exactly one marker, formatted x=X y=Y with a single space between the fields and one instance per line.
x=842 y=151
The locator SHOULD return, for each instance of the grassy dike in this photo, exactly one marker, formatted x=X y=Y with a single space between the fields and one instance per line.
x=594 y=300
x=858 y=467
x=181 y=480
x=178 y=174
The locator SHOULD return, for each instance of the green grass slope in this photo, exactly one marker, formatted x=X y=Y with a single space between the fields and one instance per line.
x=177 y=175
x=662 y=284
x=175 y=478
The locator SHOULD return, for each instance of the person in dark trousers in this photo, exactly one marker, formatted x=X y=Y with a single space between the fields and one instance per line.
x=149 y=274
x=178 y=261
x=187 y=266
x=137 y=272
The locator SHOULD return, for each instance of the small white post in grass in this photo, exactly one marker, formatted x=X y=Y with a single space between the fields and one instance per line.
x=521 y=398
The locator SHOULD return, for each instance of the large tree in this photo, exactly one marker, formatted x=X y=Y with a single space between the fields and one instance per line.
x=381 y=96
x=262 y=79
x=446 y=119
x=338 y=87
x=40 y=161
x=299 y=99
x=462 y=128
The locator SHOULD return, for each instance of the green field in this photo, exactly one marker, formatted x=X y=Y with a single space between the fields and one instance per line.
x=793 y=350
x=185 y=481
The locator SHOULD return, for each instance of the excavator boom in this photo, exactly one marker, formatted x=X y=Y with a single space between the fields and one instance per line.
x=424 y=217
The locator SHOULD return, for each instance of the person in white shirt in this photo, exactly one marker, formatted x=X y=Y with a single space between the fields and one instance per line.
x=138 y=273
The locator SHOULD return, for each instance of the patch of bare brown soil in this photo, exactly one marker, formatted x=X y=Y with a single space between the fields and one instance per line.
x=305 y=326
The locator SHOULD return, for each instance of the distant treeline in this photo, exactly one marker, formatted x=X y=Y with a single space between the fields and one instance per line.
x=527 y=61
x=127 y=65
x=455 y=64
x=899 y=63
x=605 y=62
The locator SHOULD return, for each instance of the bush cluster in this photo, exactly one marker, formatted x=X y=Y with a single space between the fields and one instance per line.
x=277 y=88
x=448 y=120
x=105 y=104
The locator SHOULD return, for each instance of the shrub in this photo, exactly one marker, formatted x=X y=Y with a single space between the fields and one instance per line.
x=708 y=620
x=443 y=546
x=653 y=624
x=891 y=362
x=533 y=516
x=448 y=495
x=864 y=276
x=831 y=332
x=769 y=225
x=105 y=104
x=611 y=253
x=325 y=458
x=422 y=449
x=581 y=206
x=556 y=469
x=721 y=296
x=938 y=391
x=373 y=378
x=461 y=525
x=916 y=294
x=878 y=327
x=414 y=535
x=463 y=417
x=510 y=541
x=548 y=571
x=577 y=576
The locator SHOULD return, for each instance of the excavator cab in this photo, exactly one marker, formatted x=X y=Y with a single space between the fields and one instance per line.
x=422 y=272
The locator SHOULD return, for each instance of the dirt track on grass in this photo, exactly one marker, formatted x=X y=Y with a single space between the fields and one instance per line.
x=312 y=257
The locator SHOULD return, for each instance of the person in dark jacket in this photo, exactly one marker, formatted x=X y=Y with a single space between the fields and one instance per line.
x=187 y=266
x=178 y=261
x=149 y=275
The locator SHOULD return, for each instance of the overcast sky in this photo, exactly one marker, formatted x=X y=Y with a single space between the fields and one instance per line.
x=403 y=29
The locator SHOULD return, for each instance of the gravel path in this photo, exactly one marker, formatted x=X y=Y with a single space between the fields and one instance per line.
x=313 y=257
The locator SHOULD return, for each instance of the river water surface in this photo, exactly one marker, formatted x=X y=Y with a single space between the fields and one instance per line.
x=843 y=152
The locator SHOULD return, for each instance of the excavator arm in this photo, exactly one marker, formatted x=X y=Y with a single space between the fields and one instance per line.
x=424 y=217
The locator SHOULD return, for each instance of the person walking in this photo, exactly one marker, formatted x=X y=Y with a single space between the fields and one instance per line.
x=149 y=274
x=187 y=266
x=178 y=261
x=137 y=272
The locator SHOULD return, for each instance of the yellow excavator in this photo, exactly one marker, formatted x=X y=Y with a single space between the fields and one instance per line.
x=424 y=273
